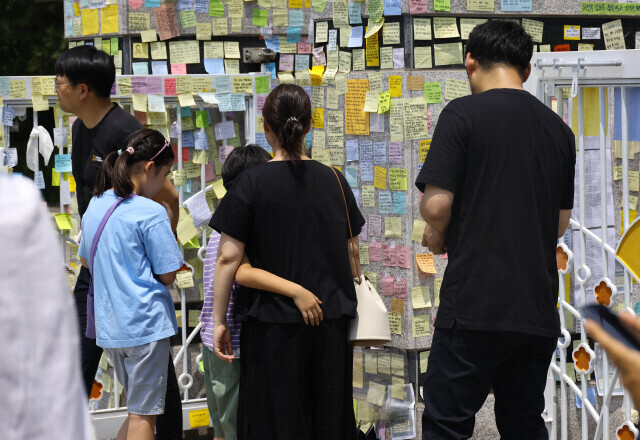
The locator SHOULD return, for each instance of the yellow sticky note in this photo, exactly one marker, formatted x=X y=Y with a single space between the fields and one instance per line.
x=447 y=54
x=370 y=362
x=422 y=56
x=110 y=20
x=397 y=364
x=534 y=28
x=64 y=221
x=384 y=362
x=397 y=388
x=425 y=263
x=316 y=73
x=194 y=318
x=424 y=361
x=72 y=184
x=391 y=33
x=376 y=393
x=199 y=418
x=437 y=283
x=186 y=229
x=380 y=177
x=480 y=5
x=445 y=27
x=455 y=88
x=47 y=86
x=420 y=326
x=395 y=323
x=140 y=50
x=393 y=227
x=422 y=29
x=184 y=278
x=318 y=118
x=18 y=89
x=613 y=35
x=358 y=371
x=582 y=47
x=203 y=31
x=418 y=230
x=634 y=181
x=420 y=297
x=398 y=179
x=90 y=23
x=384 y=102
x=219 y=189
x=139 y=103
x=571 y=32
x=186 y=100
x=372 y=54
x=148 y=36
x=232 y=49
x=39 y=103
x=395 y=86
x=467 y=25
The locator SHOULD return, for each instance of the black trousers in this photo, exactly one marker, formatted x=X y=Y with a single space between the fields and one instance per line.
x=464 y=365
x=169 y=424
x=296 y=382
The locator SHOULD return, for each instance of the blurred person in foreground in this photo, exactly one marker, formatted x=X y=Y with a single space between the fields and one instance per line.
x=43 y=392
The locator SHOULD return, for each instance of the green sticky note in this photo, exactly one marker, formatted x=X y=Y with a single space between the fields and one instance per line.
x=106 y=46
x=319 y=5
x=188 y=19
x=216 y=8
x=442 y=5
x=432 y=92
x=262 y=84
x=114 y=46
x=202 y=119
x=260 y=17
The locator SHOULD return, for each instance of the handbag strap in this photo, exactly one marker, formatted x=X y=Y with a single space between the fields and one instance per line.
x=353 y=246
x=96 y=238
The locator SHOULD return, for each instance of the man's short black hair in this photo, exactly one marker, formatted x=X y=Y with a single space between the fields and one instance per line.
x=240 y=159
x=90 y=66
x=500 y=42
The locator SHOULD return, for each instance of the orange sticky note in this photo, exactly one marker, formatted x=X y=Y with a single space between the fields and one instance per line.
x=426 y=264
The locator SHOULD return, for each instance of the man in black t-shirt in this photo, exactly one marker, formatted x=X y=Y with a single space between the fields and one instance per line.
x=498 y=192
x=84 y=78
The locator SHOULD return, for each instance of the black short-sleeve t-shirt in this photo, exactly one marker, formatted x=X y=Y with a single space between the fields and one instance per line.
x=92 y=145
x=509 y=160
x=294 y=224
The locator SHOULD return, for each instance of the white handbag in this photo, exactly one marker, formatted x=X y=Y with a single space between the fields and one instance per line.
x=371 y=324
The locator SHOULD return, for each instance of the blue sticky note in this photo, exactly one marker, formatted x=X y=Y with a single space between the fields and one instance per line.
x=392 y=7
x=185 y=112
x=380 y=153
x=633 y=112
x=296 y=17
x=8 y=114
x=366 y=161
x=355 y=13
x=214 y=66
x=187 y=139
x=271 y=67
x=5 y=86
x=308 y=139
x=63 y=163
x=151 y=3
x=385 y=204
x=515 y=5
x=222 y=84
x=293 y=34
x=351 y=146
x=202 y=140
x=273 y=44
x=399 y=202
x=185 y=5
x=201 y=6
x=356 y=195
x=261 y=140
x=591 y=397
x=84 y=4
x=301 y=63
x=159 y=68
x=351 y=174
x=140 y=68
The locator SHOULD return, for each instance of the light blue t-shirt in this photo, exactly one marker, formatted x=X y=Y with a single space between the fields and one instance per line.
x=131 y=306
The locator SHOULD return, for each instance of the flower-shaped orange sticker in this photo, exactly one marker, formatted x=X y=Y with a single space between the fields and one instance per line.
x=96 y=390
x=583 y=359
x=604 y=291
x=564 y=258
x=626 y=431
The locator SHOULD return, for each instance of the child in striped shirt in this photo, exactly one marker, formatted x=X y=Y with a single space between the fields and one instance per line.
x=222 y=378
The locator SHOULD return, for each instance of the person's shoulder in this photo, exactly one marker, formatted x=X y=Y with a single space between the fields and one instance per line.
x=146 y=210
x=123 y=119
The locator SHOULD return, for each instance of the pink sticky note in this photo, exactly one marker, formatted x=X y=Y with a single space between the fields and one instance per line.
x=375 y=225
x=363 y=233
x=375 y=251
x=403 y=256
x=429 y=119
x=178 y=69
x=395 y=152
x=417 y=6
x=444 y=256
x=286 y=63
x=209 y=173
x=387 y=285
x=400 y=288
x=319 y=57
x=170 y=87
x=136 y=4
x=388 y=255
x=260 y=102
x=224 y=152
x=305 y=48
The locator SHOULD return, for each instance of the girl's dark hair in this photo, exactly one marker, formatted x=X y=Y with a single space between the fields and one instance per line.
x=287 y=110
x=240 y=159
x=115 y=171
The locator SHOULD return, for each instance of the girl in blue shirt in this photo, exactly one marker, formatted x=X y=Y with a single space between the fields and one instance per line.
x=135 y=259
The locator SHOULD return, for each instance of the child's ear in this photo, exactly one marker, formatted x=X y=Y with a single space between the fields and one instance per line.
x=149 y=167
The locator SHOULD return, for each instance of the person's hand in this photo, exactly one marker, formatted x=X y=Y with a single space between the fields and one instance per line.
x=169 y=211
x=625 y=359
x=434 y=240
x=309 y=306
x=222 y=342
